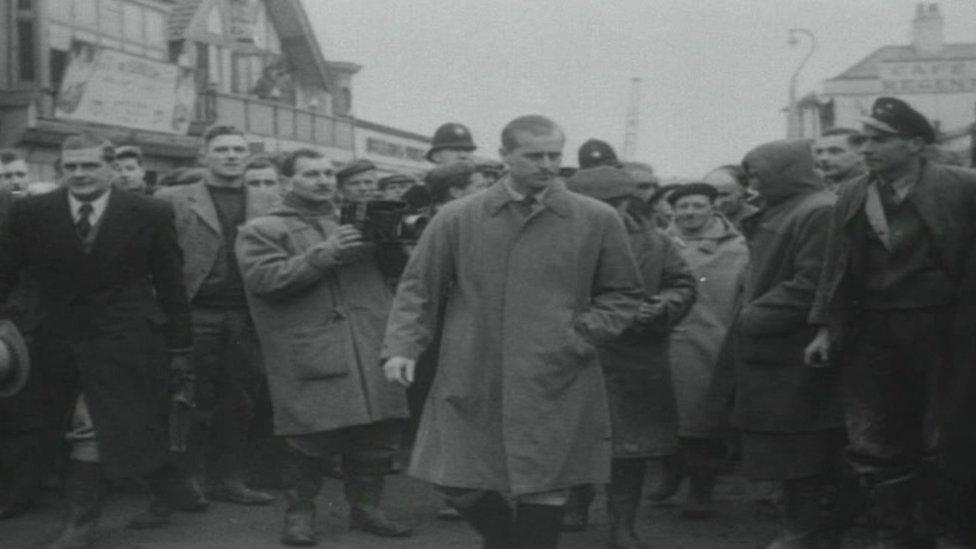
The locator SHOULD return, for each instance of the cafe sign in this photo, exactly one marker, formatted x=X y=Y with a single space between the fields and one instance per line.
x=923 y=77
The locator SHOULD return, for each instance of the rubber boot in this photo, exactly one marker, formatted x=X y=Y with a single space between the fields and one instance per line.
x=162 y=486
x=699 y=503
x=303 y=480
x=623 y=498
x=84 y=494
x=538 y=526
x=669 y=477
x=363 y=492
x=810 y=516
x=892 y=508
x=576 y=515
x=492 y=517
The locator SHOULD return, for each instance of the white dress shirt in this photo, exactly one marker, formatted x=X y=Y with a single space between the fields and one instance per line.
x=98 y=207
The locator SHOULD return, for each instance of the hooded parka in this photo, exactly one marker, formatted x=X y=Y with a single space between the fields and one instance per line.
x=518 y=403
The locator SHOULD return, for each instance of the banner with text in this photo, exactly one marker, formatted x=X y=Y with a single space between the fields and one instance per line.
x=905 y=77
x=117 y=88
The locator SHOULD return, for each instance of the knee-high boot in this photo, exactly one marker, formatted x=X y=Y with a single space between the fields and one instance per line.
x=83 y=492
x=623 y=498
x=490 y=516
x=538 y=526
x=303 y=480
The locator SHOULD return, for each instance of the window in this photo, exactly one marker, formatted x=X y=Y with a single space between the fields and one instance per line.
x=59 y=63
x=132 y=18
x=85 y=13
x=155 y=29
x=25 y=50
x=214 y=24
x=25 y=5
x=110 y=17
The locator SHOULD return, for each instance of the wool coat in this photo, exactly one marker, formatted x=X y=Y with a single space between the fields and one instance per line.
x=198 y=226
x=320 y=327
x=637 y=365
x=104 y=320
x=718 y=261
x=774 y=390
x=518 y=403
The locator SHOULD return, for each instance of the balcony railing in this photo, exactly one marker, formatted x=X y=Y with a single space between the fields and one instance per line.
x=271 y=119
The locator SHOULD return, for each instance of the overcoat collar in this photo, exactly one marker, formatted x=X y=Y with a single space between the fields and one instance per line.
x=556 y=198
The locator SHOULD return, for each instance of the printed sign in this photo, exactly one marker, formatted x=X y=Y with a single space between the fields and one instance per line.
x=906 y=77
x=117 y=88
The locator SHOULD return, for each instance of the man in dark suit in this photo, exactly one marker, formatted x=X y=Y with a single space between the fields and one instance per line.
x=896 y=258
x=112 y=332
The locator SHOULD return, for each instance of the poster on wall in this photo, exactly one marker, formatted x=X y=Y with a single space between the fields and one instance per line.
x=117 y=88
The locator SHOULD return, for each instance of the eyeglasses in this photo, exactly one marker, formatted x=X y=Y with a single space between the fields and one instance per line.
x=11 y=175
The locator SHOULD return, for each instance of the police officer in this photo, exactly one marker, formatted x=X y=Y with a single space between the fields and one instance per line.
x=595 y=152
x=452 y=142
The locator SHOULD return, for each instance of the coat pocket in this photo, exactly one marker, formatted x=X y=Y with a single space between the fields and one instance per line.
x=320 y=352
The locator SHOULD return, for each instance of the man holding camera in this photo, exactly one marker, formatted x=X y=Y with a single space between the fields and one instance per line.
x=320 y=304
x=358 y=182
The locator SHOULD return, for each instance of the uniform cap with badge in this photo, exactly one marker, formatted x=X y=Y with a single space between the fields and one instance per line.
x=451 y=135
x=595 y=152
x=894 y=116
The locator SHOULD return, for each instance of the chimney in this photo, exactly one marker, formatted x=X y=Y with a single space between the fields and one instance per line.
x=928 y=28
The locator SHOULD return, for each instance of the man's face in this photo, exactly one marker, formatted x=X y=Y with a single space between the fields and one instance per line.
x=647 y=182
x=885 y=153
x=361 y=187
x=131 y=174
x=448 y=156
x=395 y=191
x=692 y=213
x=86 y=173
x=534 y=163
x=835 y=157
x=730 y=194
x=314 y=179
x=225 y=156
x=14 y=175
x=266 y=178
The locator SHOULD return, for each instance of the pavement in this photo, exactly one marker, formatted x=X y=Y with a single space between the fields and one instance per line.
x=738 y=523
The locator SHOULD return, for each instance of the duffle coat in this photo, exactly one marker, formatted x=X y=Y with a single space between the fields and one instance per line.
x=518 y=403
x=320 y=328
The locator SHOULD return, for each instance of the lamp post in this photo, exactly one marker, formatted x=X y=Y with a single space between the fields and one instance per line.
x=793 y=117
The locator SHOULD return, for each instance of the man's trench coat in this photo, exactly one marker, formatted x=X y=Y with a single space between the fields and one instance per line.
x=518 y=403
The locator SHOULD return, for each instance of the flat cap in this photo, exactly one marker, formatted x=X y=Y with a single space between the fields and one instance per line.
x=596 y=153
x=892 y=115
x=356 y=167
x=397 y=179
x=603 y=183
x=451 y=135
x=690 y=189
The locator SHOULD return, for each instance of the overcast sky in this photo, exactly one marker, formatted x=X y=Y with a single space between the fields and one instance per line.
x=715 y=72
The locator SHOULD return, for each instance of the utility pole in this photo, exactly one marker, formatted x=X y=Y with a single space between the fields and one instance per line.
x=793 y=128
x=632 y=126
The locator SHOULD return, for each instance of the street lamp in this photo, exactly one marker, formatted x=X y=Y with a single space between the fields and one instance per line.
x=793 y=119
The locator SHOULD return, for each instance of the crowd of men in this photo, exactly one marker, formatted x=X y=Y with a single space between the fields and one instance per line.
x=802 y=317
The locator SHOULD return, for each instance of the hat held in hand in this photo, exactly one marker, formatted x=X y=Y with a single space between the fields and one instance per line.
x=14 y=360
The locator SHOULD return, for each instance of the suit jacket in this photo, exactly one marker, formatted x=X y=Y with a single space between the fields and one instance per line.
x=104 y=319
x=945 y=198
x=198 y=227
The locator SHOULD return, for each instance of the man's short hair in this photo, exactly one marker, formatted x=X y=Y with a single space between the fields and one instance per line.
x=129 y=151
x=8 y=155
x=854 y=137
x=736 y=171
x=260 y=162
x=290 y=159
x=217 y=130
x=533 y=124
x=88 y=140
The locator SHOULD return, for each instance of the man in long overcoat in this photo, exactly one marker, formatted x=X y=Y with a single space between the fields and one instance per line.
x=788 y=413
x=320 y=305
x=643 y=411
x=113 y=305
x=897 y=257
x=532 y=277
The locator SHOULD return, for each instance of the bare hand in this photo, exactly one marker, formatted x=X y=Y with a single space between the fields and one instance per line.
x=399 y=370
x=817 y=353
x=346 y=242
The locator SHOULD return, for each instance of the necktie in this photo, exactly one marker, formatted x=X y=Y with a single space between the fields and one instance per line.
x=83 y=225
